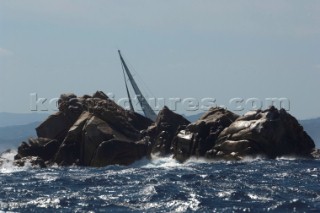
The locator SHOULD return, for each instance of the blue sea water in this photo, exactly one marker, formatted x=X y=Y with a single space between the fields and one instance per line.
x=164 y=185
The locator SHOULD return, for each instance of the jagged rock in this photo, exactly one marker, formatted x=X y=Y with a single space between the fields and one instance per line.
x=200 y=136
x=118 y=152
x=271 y=132
x=164 y=129
x=103 y=121
x=100 y=95
x=43 y=148
x=83 y=123
x=128 y=123
x=69 y=102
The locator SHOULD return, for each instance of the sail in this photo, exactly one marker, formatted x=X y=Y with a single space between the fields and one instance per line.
x=146 y=108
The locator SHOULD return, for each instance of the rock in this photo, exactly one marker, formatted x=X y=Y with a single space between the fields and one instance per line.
x=271 y=133
x=43 y=148
x=69 y=151
x=183 y=145
x=138 y=121
x=100 y=95
x=32 y=160
x=316 y=153
x=118 y=152
x=69 y=103
x=95 y=132
x=128 y=123
x=101 y=120
x=56 y=126
x=164 y=129
x=200 y=136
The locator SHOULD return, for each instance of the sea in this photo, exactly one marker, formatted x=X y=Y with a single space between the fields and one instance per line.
x=164 y=185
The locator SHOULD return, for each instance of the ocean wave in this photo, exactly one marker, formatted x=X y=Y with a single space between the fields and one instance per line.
x=7 y=163
x=163 y=185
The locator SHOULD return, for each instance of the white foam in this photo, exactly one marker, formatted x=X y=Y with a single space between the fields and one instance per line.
x=253 y=158
x=7 y=165
x=169 y=162
x=258 y=197
x=162 y=162
x=289 y=158
x=183 y=206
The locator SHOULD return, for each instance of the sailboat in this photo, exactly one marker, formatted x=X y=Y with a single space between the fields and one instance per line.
x=146 y=108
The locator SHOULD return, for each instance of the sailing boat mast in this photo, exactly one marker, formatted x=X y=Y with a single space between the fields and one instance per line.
x=146 y=108
x=128 y=93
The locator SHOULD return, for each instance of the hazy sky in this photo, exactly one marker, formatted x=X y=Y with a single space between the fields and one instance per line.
x=178 y=48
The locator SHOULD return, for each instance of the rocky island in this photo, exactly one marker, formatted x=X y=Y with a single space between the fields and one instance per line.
x=95 y=131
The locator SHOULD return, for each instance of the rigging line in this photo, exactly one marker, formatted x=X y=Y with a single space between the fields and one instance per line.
x=144 y=84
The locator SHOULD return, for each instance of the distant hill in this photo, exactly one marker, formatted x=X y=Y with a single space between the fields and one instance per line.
x=13 y=119
x=193 y=118
x=12 y=136
x=312 y=127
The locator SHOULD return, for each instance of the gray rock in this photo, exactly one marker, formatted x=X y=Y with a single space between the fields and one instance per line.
x=201 y=136
x=271 y=133
x=164 y=129
x=118 y=152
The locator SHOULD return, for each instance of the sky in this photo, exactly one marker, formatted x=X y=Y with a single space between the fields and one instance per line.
x=237 y=53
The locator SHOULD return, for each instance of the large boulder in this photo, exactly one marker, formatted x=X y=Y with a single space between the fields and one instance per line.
x=164 y=129
x=95 y=132
x=270 y=132
x=56 y=126
x=69 y=151
x=201 y=136
x=118 y=152
x=102 y=120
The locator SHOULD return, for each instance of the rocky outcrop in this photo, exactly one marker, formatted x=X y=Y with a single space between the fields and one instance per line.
x=162 y=132
x=44 y=148
x=199 y=137
x=95 y=131
x=82 y=128
x=270 y=133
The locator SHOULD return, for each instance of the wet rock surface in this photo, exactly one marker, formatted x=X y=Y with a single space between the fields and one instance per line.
x=95 y=131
